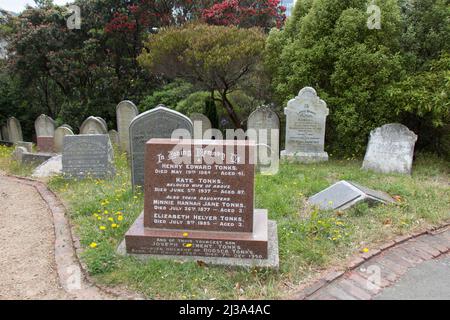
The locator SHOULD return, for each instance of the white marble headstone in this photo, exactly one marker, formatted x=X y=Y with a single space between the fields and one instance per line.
x=391 y=149
x=126 y=111
x=93 y=125
x=306 y=117
x=14 y=130
x=60 y=133
x=44 y=126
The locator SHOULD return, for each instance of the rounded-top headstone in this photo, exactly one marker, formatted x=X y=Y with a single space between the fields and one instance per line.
x=93 y=125
x=60 y=133
x=160 y=122
x=391 y=149
x=126 y=111
x=14 y=130
x=44 y=126
x=114 y=136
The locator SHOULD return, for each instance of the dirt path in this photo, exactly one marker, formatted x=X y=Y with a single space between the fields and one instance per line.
x=29 y=268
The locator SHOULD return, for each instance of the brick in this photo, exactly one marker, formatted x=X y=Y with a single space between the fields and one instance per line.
x=352 y=289
x=402 y=239
x=387 y=245
x=393 y=266
x=396 y=258
x=339 y=293
x=408 y=256
x=443 y=235
x=370 y=254
x=434 y=243
x=333 y=275
x=356 y=262
x=384 y=282
x=363 y=283
x=427 y=248
x=314 y=287
x=322 y=295
x=410 y=247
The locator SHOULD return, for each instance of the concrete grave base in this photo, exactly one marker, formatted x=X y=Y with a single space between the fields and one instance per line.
x=304 y=157
x=272 y=262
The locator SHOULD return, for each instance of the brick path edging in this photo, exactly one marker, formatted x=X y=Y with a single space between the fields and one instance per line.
x=68 y=248
x=424 y=252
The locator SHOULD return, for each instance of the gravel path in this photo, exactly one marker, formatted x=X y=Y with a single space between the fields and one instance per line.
x=26 y=245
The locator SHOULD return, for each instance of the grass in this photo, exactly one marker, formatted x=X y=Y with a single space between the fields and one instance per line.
x=310 y=240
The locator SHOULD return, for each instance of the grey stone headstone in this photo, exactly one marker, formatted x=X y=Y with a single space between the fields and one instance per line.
x=60 y=133
x=265 y=125
x=103 y=121
x=345 y=194
x=67 y=126
x=160 y=122
x=27 y=145
x=126 y=111
x=93 y=125
x=88 y=155
x=44 y=126
x=14 y=130
x=202 y=126
x=306 y=117
x=114 y=136
x=391 y=149
x=5 y=133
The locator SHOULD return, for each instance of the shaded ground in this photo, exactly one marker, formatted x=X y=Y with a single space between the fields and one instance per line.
x=428 y=281
x=27 y=245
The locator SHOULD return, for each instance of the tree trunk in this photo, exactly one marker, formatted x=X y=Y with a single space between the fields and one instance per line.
x=230 y=109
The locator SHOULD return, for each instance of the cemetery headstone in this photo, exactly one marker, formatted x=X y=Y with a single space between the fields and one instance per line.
x=51 y=167
x=45 y=132
x=391 y=149
x=93 y=125
x=345 y=194
x=114 y=136
x=14 y=130
x=305 y=128
x=5 y=133
x=88 y=156
x=202 y=126
x=160 y=122
x=199 y=204
x=126 y=111
x=60 y=133
x=265 y=125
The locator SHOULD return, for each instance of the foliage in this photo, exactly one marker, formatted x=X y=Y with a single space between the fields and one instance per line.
x=215 y=58
x=169 y=95
x=211 y=112
x=368 y=77
x=246 y=13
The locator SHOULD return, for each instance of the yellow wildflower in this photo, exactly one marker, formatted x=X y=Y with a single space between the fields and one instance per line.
x=93 y=245
x=119 y=218
x=102 y=228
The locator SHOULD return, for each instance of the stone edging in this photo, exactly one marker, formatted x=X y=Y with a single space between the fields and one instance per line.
x=360 y=259
x=68 y=248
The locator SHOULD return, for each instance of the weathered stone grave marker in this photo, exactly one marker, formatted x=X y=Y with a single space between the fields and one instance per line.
x=346 y=194
x=60 y=133
x=199 y=204
x=305 y=128
x=160 y=122
x=88 y=155
x=390 y=149
x=265 y=125
x=14 y=130
x=126 y=111
x=93 y=125
x=45 y=133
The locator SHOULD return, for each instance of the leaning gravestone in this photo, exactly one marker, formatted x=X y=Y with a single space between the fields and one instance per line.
x=199 y=205
x=126 y=111
x=160 y=122
x=202 y=126
x=5 y=133
x=60 y=133
x=305 y=128
x=93 y=125
x=345 y=194
x=45 y=132
x=14 y=130
x=390 y=149
x=88 y=156
x=264 y=125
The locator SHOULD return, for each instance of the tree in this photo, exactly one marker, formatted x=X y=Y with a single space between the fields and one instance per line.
x=246 y=13
x=214 y=58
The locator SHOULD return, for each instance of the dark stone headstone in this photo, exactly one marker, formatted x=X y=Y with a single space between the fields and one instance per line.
x=88 y=155
x=160 y=122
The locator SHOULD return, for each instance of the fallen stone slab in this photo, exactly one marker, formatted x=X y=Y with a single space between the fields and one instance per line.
x=345 y=194
x=51 y=167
